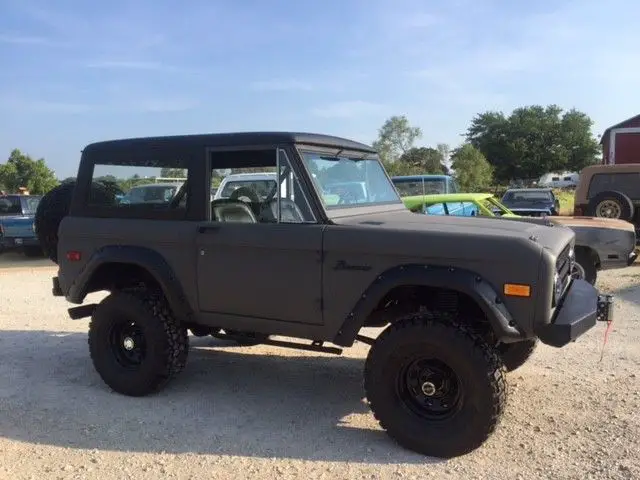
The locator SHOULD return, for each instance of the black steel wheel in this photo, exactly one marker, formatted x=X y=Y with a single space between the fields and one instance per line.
x=127 y=343
x=136 y=344
x=430 y=388
x=436 y=387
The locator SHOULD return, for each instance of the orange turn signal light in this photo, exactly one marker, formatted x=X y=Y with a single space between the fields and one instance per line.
x=517 y=290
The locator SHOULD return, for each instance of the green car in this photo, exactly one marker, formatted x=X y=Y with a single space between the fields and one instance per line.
x=459 y=204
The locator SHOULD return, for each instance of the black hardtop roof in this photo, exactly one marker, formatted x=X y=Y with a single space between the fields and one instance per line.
x=229 y=139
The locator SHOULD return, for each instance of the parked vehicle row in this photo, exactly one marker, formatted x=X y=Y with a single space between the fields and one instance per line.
x=601 y=243
x=17 y=230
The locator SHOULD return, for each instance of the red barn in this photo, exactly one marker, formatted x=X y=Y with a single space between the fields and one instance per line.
x=621 y=142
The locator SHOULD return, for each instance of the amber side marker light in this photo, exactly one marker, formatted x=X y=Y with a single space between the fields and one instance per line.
x=517 y=290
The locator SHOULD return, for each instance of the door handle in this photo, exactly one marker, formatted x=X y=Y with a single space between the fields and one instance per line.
x=208 y=228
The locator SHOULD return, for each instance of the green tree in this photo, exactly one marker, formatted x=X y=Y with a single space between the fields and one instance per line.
x=396 y=137
x=173 y=173
x=426 y=160
x=21 y=170
x=472 y=170
x=534 y=140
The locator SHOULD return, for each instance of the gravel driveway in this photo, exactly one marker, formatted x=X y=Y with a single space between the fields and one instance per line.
x=264 y=412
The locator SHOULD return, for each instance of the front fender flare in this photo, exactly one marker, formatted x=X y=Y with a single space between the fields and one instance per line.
x=143 y=257
x=460 y=280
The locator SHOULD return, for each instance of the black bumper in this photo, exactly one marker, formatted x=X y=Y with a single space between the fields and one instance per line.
x=579 y=311
x=632 y=258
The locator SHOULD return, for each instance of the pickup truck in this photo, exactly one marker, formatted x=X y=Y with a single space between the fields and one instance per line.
x=17 y=213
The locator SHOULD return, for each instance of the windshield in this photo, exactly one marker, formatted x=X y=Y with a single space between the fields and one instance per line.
x=524 y=196
x=344 y=181
x=12 y=205
x=423 y=186
x=261 y=187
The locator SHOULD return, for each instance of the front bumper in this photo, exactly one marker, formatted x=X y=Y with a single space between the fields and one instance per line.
x=632 y=258
x=579 y=311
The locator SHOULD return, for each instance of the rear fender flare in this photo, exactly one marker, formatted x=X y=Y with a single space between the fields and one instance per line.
x=143 y=257
x=460 y=280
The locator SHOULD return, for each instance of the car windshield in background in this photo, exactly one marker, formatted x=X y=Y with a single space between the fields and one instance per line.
x=150 y=194
x=262 y=187
x=527 y=197
x=428 y=186
x=349 y=181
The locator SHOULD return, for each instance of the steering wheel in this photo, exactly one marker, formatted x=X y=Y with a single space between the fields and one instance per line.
x=243 y=193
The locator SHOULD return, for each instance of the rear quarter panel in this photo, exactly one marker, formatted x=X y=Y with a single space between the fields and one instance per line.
x=173 y=240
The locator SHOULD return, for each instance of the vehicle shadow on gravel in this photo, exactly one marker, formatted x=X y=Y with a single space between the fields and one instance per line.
x=228 y=401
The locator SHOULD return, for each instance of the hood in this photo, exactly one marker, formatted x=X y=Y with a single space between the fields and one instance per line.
x=595 y=222
x=555 y=239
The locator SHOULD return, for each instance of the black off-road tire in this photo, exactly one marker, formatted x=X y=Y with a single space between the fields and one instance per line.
x=623 y=202
x=477 y=366
x=585 y=260
x=514 y=355
x=164 y=342
x=54 y=206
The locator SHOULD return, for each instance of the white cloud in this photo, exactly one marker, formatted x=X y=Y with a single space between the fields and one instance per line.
x=347 y=109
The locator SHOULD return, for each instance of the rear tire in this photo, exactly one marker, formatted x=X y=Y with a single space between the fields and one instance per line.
x=136 y=344
x=611 y=204
x=514 y=355
x=436 y=387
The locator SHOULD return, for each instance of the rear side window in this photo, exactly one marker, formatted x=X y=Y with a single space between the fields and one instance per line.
x=140 y=187
x=627 y=183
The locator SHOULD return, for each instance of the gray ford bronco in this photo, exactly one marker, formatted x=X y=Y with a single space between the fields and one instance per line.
x=312 y=254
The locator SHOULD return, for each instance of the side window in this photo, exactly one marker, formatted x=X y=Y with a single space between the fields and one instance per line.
x=435 y=209
x=140 y=187
x=256 y=186
x=627 y=183
x=462 y=209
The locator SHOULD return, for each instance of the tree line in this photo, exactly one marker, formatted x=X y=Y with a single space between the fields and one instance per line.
x=497 y=149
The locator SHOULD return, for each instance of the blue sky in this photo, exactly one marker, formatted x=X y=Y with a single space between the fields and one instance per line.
x=74 y=72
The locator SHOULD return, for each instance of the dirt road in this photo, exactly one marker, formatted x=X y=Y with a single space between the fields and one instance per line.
x=263 y=412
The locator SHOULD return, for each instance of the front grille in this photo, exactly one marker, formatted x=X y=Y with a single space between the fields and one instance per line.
x=564 y=266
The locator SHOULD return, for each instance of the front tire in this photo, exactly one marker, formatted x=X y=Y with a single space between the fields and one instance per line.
x=136 y=344
x=437 y=388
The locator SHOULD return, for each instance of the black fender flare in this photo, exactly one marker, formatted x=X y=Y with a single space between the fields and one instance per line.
x=143 y=257
x=460 y=280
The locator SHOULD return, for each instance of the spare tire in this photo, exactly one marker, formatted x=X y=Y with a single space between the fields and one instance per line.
x=611 y=204
x=54 y=206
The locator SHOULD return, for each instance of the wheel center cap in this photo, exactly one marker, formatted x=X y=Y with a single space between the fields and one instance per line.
x=128 y=343
x=429 y=389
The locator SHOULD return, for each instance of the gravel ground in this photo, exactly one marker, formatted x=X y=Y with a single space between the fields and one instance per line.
x=265 y=412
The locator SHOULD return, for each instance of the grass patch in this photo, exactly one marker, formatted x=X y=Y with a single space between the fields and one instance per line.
x=566 y=198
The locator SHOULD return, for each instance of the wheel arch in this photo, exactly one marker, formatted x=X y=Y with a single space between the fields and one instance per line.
x=116 y=267
x=462 y=281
